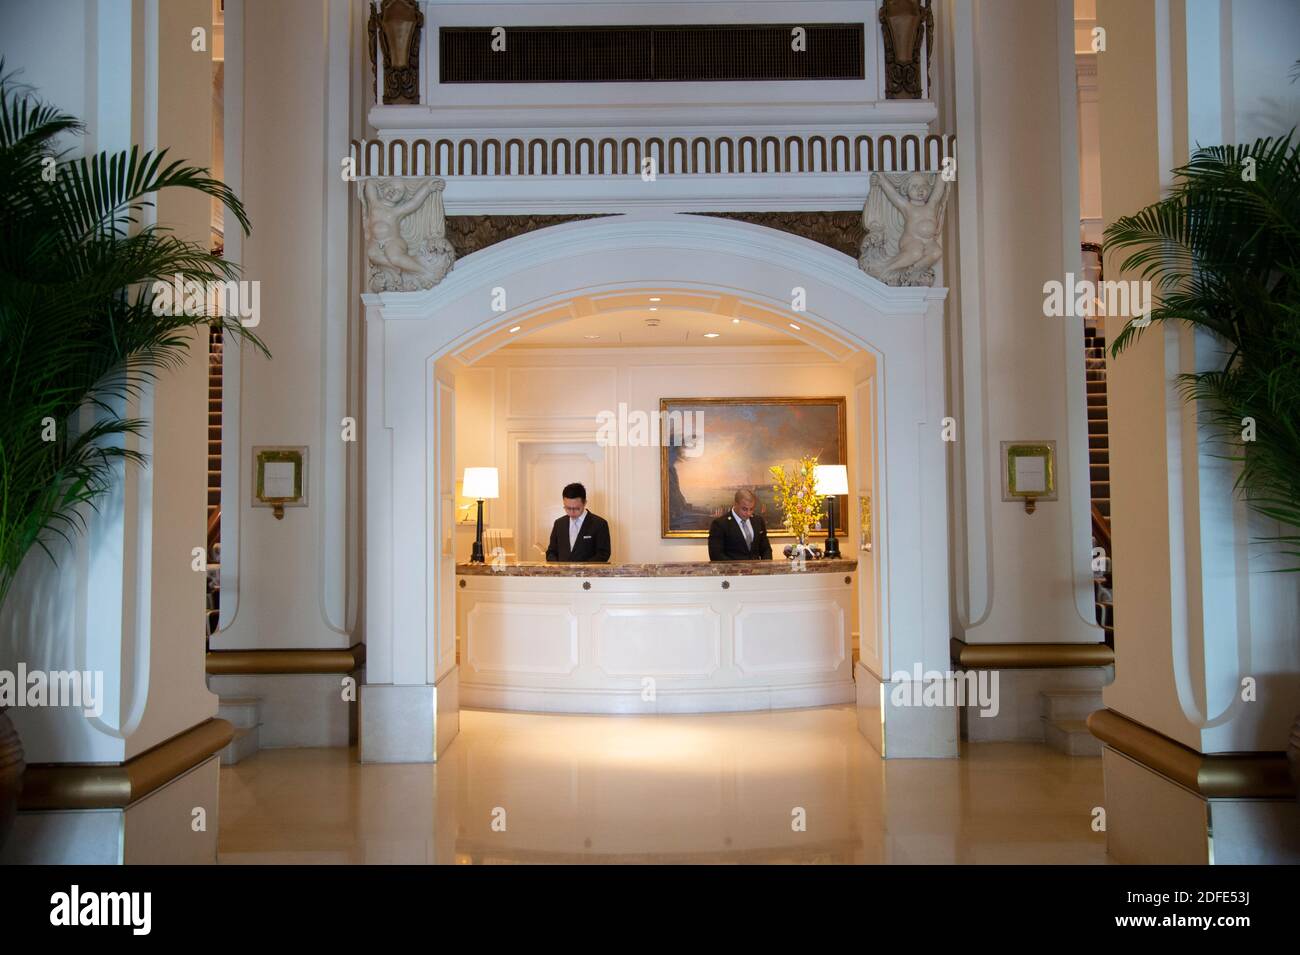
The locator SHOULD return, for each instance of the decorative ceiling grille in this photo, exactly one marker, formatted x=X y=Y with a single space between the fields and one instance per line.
x=652 y=54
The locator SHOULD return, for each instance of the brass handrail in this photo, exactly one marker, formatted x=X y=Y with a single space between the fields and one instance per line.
x=214 y=529
x=1101 y=529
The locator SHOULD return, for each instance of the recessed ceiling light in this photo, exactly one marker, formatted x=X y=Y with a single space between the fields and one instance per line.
x=653 y=309
x=710 y=334
x=515 y=329
x=735 y=321
x=655 y=298
x=794 y=326
x=591 y=337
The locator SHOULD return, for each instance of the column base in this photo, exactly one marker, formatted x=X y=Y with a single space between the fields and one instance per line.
x=1169 y=804
x=295 y=709
x=898 y=731
x=158 y=829
x=1151 y=820
x=408 y=723
x=1025 y=707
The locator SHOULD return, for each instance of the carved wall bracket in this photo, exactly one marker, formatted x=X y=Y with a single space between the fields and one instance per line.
x=904 y=26
x=395 y=27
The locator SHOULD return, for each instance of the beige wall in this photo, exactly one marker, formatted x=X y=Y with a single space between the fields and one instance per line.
x=1140 y=513
x=179 y=410
x=1085 y=20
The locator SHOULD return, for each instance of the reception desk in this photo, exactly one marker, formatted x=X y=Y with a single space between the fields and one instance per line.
x=655 y=638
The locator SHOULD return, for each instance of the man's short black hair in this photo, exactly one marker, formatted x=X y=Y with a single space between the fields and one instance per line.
x=575 y=490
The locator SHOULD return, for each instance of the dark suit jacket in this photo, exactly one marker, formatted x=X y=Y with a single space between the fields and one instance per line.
x=727 y=541
x=593 y=541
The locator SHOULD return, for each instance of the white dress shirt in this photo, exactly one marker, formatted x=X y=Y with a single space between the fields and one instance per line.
x=745 y=528
x=575 y=525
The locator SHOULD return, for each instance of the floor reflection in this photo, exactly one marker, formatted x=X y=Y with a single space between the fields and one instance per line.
x=795 y=786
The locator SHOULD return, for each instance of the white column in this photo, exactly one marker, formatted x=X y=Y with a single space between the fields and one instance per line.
x=1022 y=578
x=286 y=583
x=124 y=599
x=910 y=526
x=1198 y=610
x=409 y=710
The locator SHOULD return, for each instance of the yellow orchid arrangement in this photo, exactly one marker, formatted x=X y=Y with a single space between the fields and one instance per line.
x=797 y=495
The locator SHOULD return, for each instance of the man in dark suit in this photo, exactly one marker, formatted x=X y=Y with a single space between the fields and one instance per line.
x=580 y=536
x=740 y=534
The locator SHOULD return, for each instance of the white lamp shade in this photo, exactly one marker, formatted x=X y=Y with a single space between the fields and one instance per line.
x=480 y=484
x=831 y=479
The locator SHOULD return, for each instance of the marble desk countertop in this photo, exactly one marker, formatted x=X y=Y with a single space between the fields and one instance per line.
x=704 y=568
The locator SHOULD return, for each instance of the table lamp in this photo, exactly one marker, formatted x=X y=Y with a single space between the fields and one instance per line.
x=832 y=481
x=480 y=484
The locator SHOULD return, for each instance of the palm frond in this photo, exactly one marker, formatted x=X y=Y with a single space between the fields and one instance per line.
x=79 y=337
x=1223 y=252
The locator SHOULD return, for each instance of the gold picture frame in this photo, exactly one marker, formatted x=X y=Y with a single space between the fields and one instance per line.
x=467 y=508
x=1029 y=472
x=864 y=520
x=266 y=485
x=787 y=421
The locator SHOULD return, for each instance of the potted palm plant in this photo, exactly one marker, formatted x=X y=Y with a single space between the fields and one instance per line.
x=78 y=332
x=1223 y=252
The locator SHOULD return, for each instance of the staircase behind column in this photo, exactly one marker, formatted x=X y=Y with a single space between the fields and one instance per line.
x=1065 y=708
x=1094 y=350
x=214 y=475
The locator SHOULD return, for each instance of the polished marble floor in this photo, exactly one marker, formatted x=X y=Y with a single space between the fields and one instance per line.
x=518 y=787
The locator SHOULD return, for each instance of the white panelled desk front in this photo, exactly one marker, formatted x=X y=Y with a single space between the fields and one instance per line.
x=655 y=638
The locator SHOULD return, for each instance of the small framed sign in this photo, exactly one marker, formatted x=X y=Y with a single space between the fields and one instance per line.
x=279 y=478
x=1029 y=472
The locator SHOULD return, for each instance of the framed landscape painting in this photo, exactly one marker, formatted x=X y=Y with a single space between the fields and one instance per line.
x=711 y=447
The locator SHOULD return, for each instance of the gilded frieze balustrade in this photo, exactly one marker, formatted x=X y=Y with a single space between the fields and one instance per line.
x=673 y=155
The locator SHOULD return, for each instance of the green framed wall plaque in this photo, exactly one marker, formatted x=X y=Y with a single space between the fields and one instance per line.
x=279 y=478
x=1029 y=472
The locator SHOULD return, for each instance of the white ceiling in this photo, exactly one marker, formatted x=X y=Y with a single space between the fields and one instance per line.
x=617 y=317
x=677 y=326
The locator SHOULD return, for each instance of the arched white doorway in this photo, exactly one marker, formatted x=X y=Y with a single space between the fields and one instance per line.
x=409 y=703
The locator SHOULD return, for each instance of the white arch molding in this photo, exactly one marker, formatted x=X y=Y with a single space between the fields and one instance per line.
x=408 y=704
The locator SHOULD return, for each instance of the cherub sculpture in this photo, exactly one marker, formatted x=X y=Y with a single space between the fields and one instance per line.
x=406 y=234
x=903 y=219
